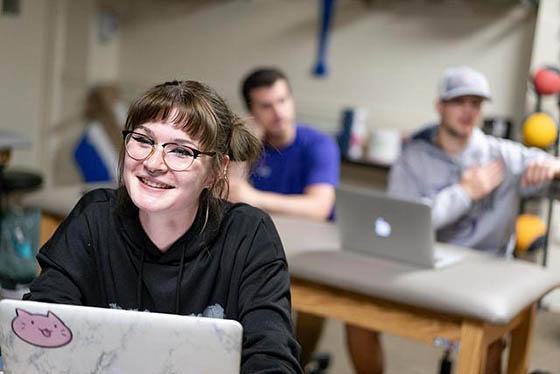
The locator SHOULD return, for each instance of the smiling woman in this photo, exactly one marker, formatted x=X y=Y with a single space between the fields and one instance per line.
x=165 y=241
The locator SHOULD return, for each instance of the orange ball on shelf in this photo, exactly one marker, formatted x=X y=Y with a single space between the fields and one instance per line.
x=530 y=231
x=539 y=130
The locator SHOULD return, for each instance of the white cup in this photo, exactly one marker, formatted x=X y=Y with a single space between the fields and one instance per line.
x=384 y=146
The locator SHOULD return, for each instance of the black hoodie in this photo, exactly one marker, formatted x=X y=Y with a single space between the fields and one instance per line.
x=229 y=267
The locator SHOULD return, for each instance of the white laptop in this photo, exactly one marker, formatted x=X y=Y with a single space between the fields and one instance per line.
x=54 y=338
x=374 y=223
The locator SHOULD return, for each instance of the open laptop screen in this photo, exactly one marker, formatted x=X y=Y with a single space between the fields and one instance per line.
x=53 y=338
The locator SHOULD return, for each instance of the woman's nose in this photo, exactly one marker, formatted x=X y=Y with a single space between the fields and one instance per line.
x=155 y=161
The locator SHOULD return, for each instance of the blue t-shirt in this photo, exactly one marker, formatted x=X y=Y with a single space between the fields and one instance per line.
x=312 y=158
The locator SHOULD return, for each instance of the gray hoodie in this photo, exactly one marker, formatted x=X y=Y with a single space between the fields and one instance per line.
x=424 y=171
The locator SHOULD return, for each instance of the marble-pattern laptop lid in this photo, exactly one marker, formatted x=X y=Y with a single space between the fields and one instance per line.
x=53 y=338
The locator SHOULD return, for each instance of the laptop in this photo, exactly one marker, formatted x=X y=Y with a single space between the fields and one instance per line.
x=374 y=223
x=55 y=338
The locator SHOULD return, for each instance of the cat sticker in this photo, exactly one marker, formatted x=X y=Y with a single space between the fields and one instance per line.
x=41 y=330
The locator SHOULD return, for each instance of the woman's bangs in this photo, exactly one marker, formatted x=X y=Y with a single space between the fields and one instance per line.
x=194 y=119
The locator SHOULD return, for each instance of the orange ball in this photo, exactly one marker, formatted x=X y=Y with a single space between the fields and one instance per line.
x=529 y=229
x=539 y=130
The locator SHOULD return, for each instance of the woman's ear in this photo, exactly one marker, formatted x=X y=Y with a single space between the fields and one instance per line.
x=221 y=173
x=225 y=164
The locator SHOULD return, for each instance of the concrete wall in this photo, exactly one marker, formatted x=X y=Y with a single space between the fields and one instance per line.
x=23 y=76
x=69 y=82
x=386 y=57
x=51 y=55
x=546 y=49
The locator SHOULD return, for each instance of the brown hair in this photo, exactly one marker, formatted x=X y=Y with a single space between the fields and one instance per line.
x=258 y=78
x=204 y=116
x=99 y=106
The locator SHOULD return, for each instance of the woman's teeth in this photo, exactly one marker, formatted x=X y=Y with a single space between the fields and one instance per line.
x=155 y=184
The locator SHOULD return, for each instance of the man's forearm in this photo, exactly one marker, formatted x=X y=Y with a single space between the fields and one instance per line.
x=316 y=207
x=449 y=205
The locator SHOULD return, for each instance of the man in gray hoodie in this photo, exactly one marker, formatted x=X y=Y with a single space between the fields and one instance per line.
x=474 y=182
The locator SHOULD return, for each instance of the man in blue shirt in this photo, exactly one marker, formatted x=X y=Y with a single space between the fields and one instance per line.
x=300 y=167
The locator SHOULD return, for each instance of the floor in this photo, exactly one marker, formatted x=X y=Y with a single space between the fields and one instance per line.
x=404 y=356
x=409 y=357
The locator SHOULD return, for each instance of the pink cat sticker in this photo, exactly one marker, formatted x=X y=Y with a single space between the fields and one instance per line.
x=46 y=331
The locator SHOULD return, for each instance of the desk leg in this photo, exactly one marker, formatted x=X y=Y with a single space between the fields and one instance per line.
x=48 y=226
x=472 y=349
x=521 y=339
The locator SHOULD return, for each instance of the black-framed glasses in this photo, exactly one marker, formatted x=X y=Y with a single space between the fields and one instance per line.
x=177 y=157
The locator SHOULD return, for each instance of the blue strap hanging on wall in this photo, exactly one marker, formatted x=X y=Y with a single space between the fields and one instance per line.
x=320 y=69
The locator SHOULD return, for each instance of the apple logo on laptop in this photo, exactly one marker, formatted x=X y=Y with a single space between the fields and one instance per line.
x=382 y=228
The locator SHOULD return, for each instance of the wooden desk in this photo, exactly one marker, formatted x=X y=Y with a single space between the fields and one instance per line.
x=419 y=324
x=49 y=224
x=422 y=322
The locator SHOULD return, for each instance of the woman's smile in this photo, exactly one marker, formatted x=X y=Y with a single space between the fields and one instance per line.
x=154 y=184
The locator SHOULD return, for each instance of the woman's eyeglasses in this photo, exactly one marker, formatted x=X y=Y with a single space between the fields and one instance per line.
x=176 y=156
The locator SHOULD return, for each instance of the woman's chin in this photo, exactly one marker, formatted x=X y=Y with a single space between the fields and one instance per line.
x=151 y=208
x=149 y=204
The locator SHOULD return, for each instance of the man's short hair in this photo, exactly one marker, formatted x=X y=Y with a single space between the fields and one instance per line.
x=260 y=77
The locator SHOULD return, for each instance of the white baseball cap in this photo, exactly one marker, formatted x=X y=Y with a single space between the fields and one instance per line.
x=463 y=81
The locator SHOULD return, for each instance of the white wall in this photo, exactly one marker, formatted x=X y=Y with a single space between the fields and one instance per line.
x=23 y=43
x=103 y=54
x=546 y=50
x=386 y=57
x=69 y=80
x=43 y=75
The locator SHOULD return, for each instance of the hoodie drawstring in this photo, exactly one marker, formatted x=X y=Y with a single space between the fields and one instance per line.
x=182 y=265
x=179 y=275
x=179 y=278
x=139 y=300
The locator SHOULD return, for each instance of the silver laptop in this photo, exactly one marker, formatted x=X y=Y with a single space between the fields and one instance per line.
x=374 y=223
x=53 y=338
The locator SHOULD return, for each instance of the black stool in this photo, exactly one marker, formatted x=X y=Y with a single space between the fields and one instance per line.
x=18 y=181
